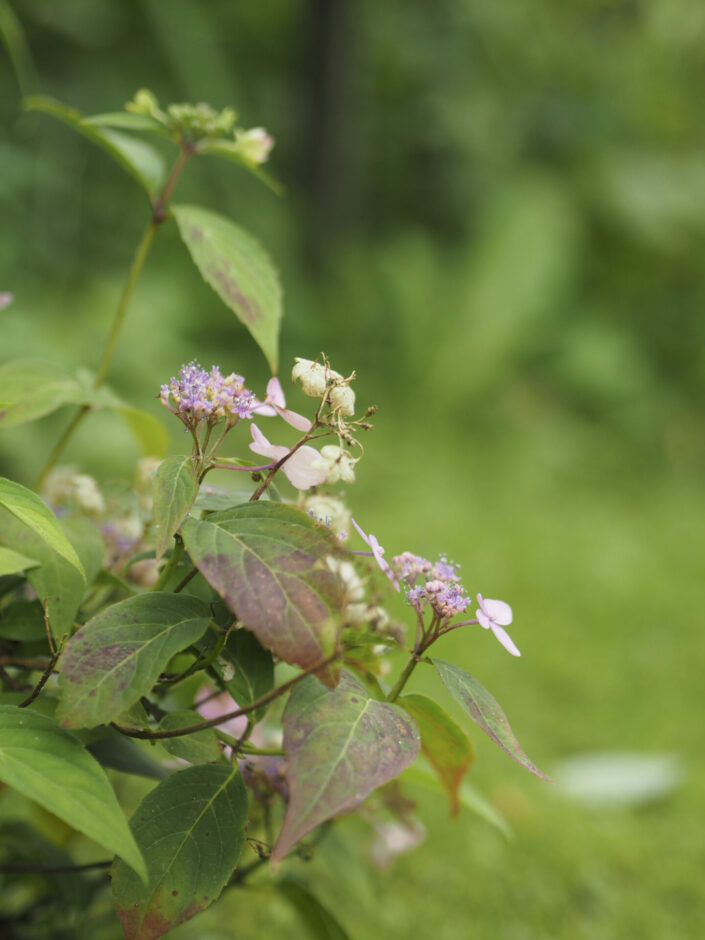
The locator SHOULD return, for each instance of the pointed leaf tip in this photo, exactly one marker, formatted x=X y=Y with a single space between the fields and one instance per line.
x=484 y=711
x=239 y=271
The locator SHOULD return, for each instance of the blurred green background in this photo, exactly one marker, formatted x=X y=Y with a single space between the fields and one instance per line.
x=495 y=213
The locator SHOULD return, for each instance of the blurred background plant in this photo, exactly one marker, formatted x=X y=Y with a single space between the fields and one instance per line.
x=496 y=214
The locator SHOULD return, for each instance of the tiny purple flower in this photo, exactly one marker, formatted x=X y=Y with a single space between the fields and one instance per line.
x=445 y=571
x=378 y=555
x=410 y=566
x=494 y=615
x=194 y=395
x=416 y=596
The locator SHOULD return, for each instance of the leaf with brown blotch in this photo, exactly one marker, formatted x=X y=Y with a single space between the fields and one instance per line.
x=340 y=745
x=118 y=655
x=267 y=562
x=190 y=829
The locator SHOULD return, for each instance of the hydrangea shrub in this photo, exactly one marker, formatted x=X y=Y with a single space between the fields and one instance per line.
x=244 y=631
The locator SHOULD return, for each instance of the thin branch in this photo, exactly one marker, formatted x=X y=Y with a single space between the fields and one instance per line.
x=42 y=682
x=213 y=722
x=241 y=874
x=24 y=662
x=51 y=869
x=182 y=584
x=14 y=684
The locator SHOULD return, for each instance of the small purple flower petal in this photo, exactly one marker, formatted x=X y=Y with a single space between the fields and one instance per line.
x=260 y=445
x=504 y=638
x=378 y=555
x=275 y=403
x=301 y=469
x=493 y=615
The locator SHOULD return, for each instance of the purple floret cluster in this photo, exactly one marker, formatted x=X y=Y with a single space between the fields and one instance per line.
x=441 y=586
x=196 y=395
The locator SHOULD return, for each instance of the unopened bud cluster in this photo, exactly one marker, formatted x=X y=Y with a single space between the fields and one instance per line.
x=318 y=380
x=192 y=123
x=356 y=610
x=331 y=512
x=441 y=588
x=339 y=463
x=66 y=489
x=196 y=395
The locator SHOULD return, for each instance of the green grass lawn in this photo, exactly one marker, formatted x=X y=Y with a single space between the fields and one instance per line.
x=604 y=571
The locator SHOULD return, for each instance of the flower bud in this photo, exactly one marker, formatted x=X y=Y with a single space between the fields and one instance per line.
x=254 y=145
x=342 y=400
x=145 y=102
x=313 y=376
x=331 y=512
x=353 y=586
x=341 y=466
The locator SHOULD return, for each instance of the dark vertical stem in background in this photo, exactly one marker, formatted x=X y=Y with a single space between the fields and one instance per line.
x=332 y=138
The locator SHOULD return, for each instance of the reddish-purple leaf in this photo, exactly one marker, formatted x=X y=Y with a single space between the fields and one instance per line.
x=484 y=710
x=267 y=562
x=339 y=745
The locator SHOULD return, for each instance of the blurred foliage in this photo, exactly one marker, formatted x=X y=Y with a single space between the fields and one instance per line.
x=495 y=212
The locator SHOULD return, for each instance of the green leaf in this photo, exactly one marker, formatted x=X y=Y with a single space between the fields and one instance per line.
x=339 y=745
x=484 y=710
x=12 y=562
x=117 y=657
x=126 y=120
x=239 y=271
x=445 y=744
x=200 y=747
x=50 y=766
x=229 y=150
x=31 y=388
x=55 y=581
x=22 y=620
x=246 y=669
x=13 y=36
x=266 y=560
x=139 y=159
x=114 y=750
x=191 y=830
x=213 y=498
x=33 y=512
x=175 y=489
x=317 y=920
x=470 y=796
x=149 y=432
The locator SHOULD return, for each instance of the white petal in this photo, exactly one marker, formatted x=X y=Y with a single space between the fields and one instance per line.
x=378 y=555
x=360 y=532
x=483 y=619
x=301 y=468
x=260 y=445
x=505 y=640
x=295 y=420
x=497 y=611
x=275 y=394
x=261 y=409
